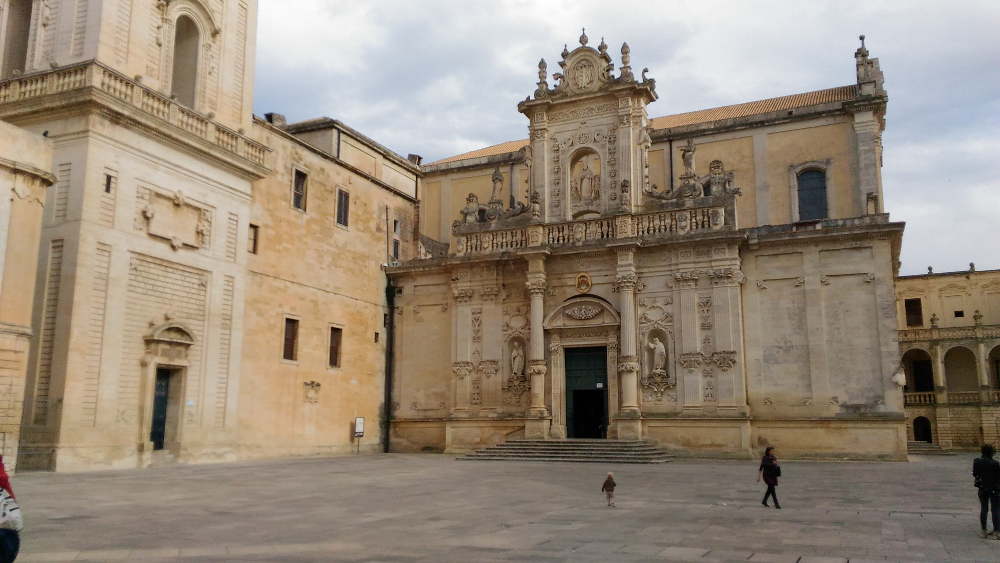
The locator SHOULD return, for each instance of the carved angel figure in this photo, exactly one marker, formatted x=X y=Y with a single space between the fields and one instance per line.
x=719 y=181
x=659 y=356
x=517 y=360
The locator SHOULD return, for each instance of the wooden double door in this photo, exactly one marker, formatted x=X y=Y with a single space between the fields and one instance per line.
x=587 y=392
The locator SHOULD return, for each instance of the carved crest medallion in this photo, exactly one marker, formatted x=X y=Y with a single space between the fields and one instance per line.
x=584 y=74
x=583 y=282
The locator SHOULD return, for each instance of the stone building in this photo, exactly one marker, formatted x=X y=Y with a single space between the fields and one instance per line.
x=176 y=222
x=711 y=281
x=949 y=346
x=25 y=161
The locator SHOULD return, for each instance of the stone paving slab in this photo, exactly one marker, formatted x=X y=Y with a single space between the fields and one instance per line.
x=417 y=508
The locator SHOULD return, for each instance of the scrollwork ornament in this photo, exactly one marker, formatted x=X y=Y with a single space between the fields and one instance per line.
x=462 y=369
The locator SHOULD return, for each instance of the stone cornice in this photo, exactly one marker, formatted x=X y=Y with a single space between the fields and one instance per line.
x=19 y=168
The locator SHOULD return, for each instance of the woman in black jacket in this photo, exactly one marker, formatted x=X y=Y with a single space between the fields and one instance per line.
x=769 y=469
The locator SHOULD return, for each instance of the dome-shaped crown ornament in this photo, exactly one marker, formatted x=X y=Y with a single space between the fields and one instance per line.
x=584 y=38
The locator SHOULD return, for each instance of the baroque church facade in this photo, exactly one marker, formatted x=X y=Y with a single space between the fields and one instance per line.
x=710 y=282
x=210 y=285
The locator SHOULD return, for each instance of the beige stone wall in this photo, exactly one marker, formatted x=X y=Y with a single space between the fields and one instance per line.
x=310 y=268
x=25 y=161
x=138 y=233
x=137 y=39
x=943 y=294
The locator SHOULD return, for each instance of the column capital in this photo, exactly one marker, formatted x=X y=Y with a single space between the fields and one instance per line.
x=625 y=282
x=537 y=287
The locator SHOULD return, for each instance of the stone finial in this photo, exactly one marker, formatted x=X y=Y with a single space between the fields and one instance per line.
x=862 y=51
x=972 y=266
x=565 y=52
x=584 y=38
x=930 y=269
x=935 y=320
x=626 y=69
x=603 y=47
x=543 y=85
x=977 y=318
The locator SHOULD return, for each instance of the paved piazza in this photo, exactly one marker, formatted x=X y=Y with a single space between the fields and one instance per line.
x=433 y=508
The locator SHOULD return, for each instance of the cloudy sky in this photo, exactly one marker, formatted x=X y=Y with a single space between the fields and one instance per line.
x=439 y=78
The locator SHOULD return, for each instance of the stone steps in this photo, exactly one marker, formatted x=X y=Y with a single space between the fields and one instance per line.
x=572 y=450
x=924 y=448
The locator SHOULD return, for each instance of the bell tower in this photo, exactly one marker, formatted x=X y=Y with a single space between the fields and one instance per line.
x=198 y=52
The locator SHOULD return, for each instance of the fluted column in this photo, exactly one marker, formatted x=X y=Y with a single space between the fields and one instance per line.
x=536 y=352
x=628 y=362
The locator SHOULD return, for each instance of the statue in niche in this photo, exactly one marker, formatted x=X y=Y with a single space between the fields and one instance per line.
x=659 y=356
x=517 y=360
x=585 y=184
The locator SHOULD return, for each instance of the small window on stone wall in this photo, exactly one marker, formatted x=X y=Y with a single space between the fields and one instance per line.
x=291 y=345
x=343 y=207
x=914 y=312
x=812 y=195
x=336 y=335
x=959 y=314
x=253 y=239
x=299 y=190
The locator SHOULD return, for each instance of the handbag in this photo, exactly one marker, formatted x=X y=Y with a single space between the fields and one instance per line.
x=10 y=513
x=777 y=471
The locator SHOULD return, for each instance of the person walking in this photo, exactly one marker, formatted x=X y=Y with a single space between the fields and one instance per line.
x=10 y=539
x=770 y=471
x=986 y=472
x=609 y=488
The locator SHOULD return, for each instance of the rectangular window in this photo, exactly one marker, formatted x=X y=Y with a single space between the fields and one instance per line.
x=959 y=314
x=299 y=191
x=395 y=249
x=108 y=183
x=291 y=347
x=343 y=207
x=254 y=236
x=395 y=227
x=336 y=335
x=914 y=312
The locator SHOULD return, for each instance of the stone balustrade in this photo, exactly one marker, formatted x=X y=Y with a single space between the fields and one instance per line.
x=95 y=75
x=953 y=333
x=647 y=226
x=919 y=399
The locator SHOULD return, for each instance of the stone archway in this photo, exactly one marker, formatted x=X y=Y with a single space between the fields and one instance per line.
x=922 y=430
x=919 y=369
x=581 y=322
x=960 y=371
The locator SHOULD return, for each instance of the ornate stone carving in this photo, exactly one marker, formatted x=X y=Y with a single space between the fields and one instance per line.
x=462 y=369
x=768 y=401
x=934 y=320
x=691 y=360
x=489 y=368
x=477 y=324
x=489 y=293
x=583 y=282
x=536 y=287
x=824 y=280
x=462 y=294
x=869 y=277
x=628 y=364
x=724 y=359
x=583 y=312
x=726 y=276
x=537 y=367
x=799 y=282
x=625 y=282
x=807 y=401
x=705 y=309
x=475 y=394
x=977 y=318
x=709 y=384
x=311 y=390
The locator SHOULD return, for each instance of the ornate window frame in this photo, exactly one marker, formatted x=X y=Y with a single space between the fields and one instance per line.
x=793 y=185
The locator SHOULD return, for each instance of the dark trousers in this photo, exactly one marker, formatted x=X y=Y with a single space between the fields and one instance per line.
x=989 y=502
x=772 y=494
x=10 y=544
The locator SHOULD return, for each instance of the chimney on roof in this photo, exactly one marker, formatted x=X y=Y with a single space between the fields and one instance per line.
x=416 y=159
x=276 y=119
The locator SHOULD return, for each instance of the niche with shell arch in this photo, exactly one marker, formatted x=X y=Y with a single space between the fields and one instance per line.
x=586 y=183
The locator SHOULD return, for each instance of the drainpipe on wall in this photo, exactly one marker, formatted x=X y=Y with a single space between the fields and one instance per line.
x=390 y=300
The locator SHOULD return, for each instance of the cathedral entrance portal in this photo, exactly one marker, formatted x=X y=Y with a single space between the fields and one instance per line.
x=587 y=392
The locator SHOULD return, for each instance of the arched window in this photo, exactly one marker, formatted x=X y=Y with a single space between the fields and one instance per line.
x=185 y=73
x=922 y=430
x=812 y=195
